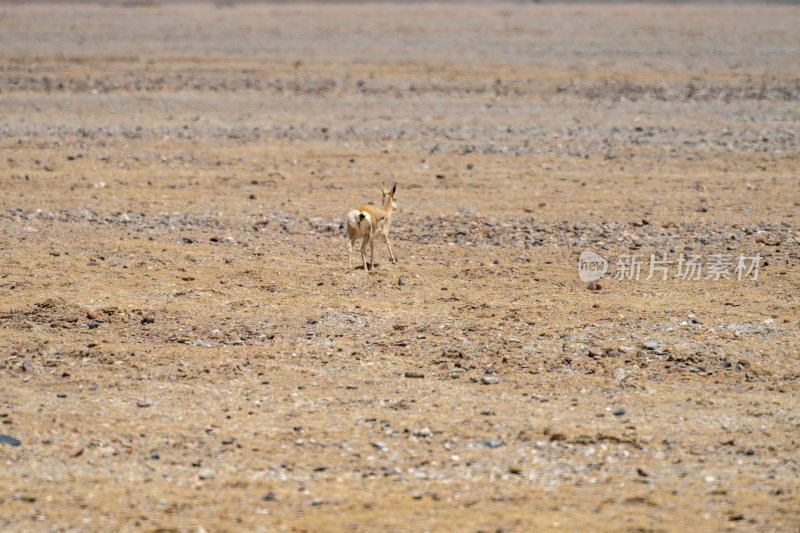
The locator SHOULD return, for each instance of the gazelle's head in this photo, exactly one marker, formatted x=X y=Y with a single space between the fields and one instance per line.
x=388 y=196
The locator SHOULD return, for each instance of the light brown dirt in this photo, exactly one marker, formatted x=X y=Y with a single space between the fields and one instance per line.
x=182 y=347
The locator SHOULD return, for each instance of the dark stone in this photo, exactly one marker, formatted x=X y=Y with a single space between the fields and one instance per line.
x=6 y=439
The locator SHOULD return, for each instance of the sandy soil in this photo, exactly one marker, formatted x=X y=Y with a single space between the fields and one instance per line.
x=182 y=347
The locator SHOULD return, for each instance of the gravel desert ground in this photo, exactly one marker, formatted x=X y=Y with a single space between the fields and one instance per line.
x=182 y=346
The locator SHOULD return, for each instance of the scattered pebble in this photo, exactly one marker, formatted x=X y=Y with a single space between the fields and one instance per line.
x=7 y=439
x=143 y=403
x=490 y=380
x=206 y=473
x=412 y=374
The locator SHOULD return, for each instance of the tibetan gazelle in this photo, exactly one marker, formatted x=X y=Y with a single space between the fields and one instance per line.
x=370 y=221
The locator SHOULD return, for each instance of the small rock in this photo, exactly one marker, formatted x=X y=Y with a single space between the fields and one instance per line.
x=401 y=281
x=652 y=346
x=593 y=286
x=143 y=403
x=642 y=472
x=61 y=395
x=148 y=319
x=557 y=437
x=228 y=441
x=515 y=469
x=206 y=473
x=269 y=497
x=596 y=353
x=27 y=366
x=493 y=443
x=94 y=324
x=91 y=314
x=108 y=451
x=411 y=374
x=416 y=495
x=619 y=412
x=423 y=432
x=76 y=451
x=490 y=380
x=380 y=445
x=7 y=439
x=455 y=373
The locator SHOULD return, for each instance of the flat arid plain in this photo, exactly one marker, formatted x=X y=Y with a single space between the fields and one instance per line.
x=183 y=348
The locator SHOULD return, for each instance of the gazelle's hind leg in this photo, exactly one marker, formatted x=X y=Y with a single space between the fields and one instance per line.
x=389 y=245
x=350 y=244
x=363 y=252
x=372 y=251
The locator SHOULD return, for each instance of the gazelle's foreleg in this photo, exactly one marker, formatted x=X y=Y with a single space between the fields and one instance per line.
x=389 y=245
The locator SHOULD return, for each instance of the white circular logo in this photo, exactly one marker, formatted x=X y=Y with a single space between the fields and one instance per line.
x=591 y=266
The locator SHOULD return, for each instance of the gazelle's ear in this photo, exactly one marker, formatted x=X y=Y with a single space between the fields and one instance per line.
x=384 y=189
x=394 y=188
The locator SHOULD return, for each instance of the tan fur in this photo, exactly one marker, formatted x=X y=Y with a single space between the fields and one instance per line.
x=369 y=221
